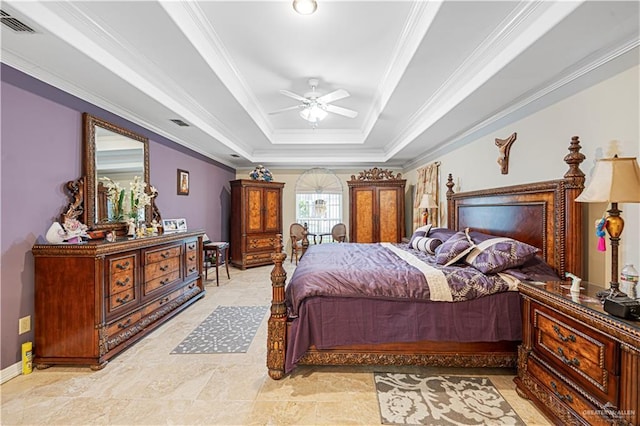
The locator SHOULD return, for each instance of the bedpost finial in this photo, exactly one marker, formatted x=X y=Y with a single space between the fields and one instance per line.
x=450 y=185
x=573 y=159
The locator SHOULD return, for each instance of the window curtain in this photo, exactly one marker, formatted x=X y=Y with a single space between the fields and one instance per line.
x=427 y=184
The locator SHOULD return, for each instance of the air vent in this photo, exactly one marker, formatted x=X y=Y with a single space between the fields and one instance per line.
x=180 y=122
x=15 y=24
x=235 y=155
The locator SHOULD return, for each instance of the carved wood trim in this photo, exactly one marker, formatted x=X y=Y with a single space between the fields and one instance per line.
x=507 y=359
x=375 y=174
x=76 y=193
x=504 y=145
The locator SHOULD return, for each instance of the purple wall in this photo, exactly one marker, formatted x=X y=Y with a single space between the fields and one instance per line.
x=41 y=148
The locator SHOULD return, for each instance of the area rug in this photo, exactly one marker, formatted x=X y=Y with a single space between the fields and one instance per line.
x=227 y=329
x=441 y=400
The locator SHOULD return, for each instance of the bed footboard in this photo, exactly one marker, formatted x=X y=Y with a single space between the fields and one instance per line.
x=277 y=325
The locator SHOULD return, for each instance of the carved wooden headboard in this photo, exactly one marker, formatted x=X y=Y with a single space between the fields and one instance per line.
x=543 y=214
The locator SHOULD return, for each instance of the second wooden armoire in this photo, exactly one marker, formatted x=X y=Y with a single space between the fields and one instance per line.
x=256 y=219
x=376 y=207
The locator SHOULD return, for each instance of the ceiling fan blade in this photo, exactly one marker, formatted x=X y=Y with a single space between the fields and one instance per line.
x=293 y=95
x=342 y=111
x=278 y=111
x=333 y=96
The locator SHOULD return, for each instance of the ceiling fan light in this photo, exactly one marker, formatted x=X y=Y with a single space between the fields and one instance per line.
x=313 y=114
x=305 y=7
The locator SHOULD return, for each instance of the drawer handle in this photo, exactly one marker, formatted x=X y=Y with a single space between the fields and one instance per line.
x=125 y=324
x=192 y=258
x=192 y=269
x=566 y=360
x=165 y=300
x=164 y=268
x=569 y=338
x=123 y=266
x=122 y=283
x=124 y=299
x=191 y=246
x=566 y=397
x=165 y=281
x=165 y=254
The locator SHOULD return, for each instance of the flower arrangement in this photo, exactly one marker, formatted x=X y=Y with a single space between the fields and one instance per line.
x=138 y=199
x=261 y=173
x=139 y=196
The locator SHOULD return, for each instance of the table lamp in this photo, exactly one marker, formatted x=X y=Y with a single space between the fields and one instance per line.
x=426 y=203
x=614 y=180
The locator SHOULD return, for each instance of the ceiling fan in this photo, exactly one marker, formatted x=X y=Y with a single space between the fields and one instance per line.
x=314 y=106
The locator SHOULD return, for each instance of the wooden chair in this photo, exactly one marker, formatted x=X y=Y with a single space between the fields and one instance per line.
x=339 y=232
x=296 y=233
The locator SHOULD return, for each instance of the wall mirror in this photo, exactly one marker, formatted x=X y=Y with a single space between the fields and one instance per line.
x=118 y=154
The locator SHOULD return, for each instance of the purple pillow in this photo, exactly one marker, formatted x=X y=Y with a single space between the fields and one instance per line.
x=454 y=249
x=497 y=254
x=441 y=233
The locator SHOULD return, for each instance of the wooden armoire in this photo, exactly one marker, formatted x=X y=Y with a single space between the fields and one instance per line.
x=376 y=206
x=256 y=219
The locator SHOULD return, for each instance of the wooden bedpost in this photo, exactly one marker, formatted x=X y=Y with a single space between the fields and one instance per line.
x=277 y=325
x=450 y=193
x=574 y=185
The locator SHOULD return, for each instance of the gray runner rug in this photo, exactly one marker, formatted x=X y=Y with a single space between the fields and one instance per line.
x=227 y=329
x=441 y=400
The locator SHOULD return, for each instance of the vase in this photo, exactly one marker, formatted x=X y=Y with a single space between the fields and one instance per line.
x=55 y=234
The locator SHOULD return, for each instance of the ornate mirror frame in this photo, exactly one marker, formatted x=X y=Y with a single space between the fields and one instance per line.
x=89 y=184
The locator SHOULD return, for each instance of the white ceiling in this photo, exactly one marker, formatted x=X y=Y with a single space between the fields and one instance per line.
x=424 y=76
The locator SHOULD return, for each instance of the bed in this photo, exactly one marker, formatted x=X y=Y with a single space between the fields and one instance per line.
x=424 y=332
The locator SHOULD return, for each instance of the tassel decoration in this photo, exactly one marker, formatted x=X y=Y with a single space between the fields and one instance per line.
x=602 y=246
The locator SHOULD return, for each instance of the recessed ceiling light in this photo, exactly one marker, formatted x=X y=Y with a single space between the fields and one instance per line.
x=305 y=7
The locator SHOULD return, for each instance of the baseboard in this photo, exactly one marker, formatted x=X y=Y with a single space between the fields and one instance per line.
x=10 y=372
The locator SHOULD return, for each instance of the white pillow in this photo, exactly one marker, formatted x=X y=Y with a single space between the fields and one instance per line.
x=425 y=244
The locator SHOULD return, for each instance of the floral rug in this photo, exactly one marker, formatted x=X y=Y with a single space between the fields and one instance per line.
x=441 y=400
x=227 y=329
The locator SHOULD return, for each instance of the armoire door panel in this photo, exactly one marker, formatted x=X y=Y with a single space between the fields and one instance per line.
x=272 y=216
x=388 y=222
x=365 y=232
x=254 y=210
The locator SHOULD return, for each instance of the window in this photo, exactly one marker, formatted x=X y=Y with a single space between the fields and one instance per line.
x=319 y=200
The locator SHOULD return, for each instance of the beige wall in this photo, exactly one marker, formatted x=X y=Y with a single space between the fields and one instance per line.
x=604 y=116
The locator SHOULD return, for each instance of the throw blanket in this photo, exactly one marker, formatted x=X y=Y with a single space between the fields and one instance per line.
x=385 y=271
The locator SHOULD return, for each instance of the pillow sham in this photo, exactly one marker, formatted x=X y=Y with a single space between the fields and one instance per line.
x=421 y=231
x=497 y=254
x=441 y=233
x=454 y=249
x=426 y=244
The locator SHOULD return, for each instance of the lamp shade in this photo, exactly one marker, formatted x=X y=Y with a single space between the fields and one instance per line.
x=614 y=180
x=427 y=202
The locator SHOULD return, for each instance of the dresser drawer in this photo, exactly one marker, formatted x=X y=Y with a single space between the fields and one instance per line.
x=120 y=281
x=118 y=265
x=257 y=258
x=261 y=243
x=160 y=282
x=192 y=257
x=564 y=393
x=123 y=324
x=165 y=253
x=585 y=355
x=164 y=267
x=119 y=301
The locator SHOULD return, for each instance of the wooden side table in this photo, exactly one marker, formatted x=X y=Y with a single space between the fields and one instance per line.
x=221 y=251
x=577 y=363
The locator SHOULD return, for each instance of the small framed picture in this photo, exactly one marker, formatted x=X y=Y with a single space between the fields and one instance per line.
x=183 y=182
x=174 y=225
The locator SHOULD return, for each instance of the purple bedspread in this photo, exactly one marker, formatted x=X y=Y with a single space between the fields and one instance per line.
x=370 y=270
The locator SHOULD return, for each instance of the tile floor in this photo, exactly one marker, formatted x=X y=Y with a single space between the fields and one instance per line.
x=146 y=385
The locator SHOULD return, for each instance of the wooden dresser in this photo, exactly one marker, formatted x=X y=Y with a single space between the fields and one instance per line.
x=577 y=363
x=256 y=219
x=94 y=300
x=376 y=207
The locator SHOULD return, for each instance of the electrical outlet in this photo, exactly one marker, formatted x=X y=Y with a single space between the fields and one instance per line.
x=24 y=324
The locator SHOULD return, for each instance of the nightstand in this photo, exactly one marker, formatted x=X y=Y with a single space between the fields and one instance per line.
x=577 y=363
